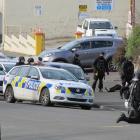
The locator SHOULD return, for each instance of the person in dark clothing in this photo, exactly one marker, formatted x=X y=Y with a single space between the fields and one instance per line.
x=76 y=61
x=21 y=61
x=30 y=61
x=127 y=74
x=114 y=88
x=134 y=100
x=100 y=67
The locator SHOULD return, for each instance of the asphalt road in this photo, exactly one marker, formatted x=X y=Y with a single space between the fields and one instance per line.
x=26 y=121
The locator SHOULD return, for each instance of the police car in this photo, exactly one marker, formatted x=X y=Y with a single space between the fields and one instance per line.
x=46 y=85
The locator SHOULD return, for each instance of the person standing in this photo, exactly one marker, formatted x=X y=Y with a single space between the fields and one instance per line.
x=30 y=61
x=21 y=61
x=100 y=67
x=76 y=61
x=127 y=74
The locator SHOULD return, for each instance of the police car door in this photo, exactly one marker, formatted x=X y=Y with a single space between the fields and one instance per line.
x=32 y=84
x=20 y=82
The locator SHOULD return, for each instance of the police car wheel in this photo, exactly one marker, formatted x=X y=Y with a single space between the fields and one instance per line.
x=45 y=97
x=9 y=95
x=86 y=107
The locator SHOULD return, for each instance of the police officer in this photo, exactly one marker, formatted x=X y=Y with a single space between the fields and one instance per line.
x=100 y=67
x=134 y=112
x=30 y=61
x=21 y=61
x=127 y=71
x=76 y=61
x=127 y=74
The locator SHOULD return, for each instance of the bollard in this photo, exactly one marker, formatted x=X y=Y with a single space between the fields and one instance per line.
x=78 y=35
x=40 y=42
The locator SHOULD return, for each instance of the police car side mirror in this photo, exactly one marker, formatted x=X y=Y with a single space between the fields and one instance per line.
x=34 y=77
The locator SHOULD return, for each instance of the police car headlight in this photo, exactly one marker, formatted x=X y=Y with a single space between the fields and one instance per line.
x=91 y=93
x=49 y=54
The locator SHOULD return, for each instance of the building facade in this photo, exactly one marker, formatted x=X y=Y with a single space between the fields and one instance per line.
x=57 y=18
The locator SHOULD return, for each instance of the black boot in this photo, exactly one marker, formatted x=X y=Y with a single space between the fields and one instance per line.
x=121 y=118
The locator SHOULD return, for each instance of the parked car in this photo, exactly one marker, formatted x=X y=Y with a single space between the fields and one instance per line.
x=97 y=27
x=74 y=69
x=2 y=74
x=88 y=49
x=7 y=65
x=3 y=56
x=46 y=85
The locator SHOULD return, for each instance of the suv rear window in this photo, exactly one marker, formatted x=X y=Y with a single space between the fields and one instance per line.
x=101 y=44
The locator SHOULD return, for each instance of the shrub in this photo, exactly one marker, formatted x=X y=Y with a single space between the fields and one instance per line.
x=133 y=43
x=120 y=53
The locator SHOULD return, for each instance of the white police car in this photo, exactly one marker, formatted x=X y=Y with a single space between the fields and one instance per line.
x=46 y=85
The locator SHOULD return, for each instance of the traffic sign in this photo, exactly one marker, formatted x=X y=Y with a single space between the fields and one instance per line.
x=82 y=8
x=104 y=5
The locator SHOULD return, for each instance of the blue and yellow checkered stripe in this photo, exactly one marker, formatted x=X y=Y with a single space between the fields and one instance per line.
x=19 y=82
x=68 y=92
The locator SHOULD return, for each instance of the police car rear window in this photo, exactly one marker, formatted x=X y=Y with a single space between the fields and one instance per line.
x=15 y=71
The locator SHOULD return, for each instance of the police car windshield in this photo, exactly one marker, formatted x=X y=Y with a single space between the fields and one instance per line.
x=57 y=74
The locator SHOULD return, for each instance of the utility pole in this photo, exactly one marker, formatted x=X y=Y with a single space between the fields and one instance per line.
x=133 y=12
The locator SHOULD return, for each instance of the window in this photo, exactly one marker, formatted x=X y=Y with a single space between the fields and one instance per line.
x=85 y=45
x=2 y=73
x=100 y=25
x=33 y=72
x=1 y=67
x=8 y=67
x=102 y=44
x=85 y=26
x=15 y=71
x=23 y=71
x=57 y=74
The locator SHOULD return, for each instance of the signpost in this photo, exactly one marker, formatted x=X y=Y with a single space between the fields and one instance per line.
x=82 y=14
x=104 y=5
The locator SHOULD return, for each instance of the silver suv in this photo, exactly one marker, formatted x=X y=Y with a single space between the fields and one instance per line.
x=88 y=49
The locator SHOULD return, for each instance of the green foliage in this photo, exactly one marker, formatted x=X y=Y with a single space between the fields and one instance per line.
x=120 y=53
x=133 y=43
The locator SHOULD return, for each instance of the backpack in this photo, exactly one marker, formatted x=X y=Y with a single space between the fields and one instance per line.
x=101 y=65
x=136 y=91
x=136 y=94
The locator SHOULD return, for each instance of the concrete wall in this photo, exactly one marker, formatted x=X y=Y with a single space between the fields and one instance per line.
x=59 y=18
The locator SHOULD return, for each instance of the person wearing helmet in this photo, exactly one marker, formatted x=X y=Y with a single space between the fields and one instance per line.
x=76 y=61
x=134 y=100
x=30 y=61
x=100 y=67
x=39 y=61
x=21 y=61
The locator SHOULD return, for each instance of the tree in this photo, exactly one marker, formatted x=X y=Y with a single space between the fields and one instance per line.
x=133 y=43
